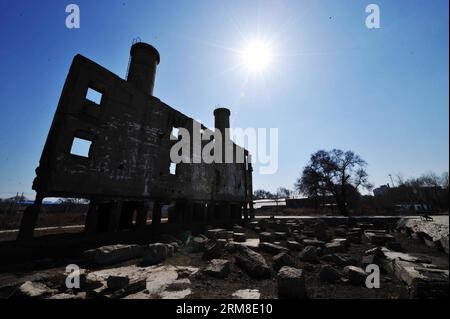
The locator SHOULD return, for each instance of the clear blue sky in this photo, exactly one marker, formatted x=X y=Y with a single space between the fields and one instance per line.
x=333 y=83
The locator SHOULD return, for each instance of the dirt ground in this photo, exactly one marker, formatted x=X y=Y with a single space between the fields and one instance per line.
x=206 y=287
x=390 y=288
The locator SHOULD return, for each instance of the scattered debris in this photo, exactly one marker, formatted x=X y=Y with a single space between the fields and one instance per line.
x=113 y=254
x=218 y=268
x=253 y=263
x=291 y=283
x=155 y=253
x=356 y=275
x=283 y=259
x=246 y=294
x=309 y=253
x=329 y=274
x=272 y=248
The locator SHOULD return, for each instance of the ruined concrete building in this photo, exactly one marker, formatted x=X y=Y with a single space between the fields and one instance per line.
x=128 y=165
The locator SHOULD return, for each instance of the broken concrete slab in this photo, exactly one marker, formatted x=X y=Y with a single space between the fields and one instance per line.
x=329 y=274
x=283 y=259
x=219 y=233
x=159 y=279
x=369 y=260
x=422 y=280
x=177 y=294
x=335 y=247
x=30 y=289
x=66 y=296
x=313 y=242
x=444 y=243
x=137 y=276
x=394 y=246
x=253 y=263
x=239 y=237
x=340 y=260
x=112 y=254
x=294 y=245
x=179 y=284
x=155 y=254
x=376 y=251
x=195 y=244
x=218 y=268
x=355 y=275
x=272 y=248
x=117 y=282
x=266 y=237
x=246 y=294
x=291 y=283
x=309 y=253
x=378 y=238
x=213 y=250
x=435 y=230
x=280 y=235
x=340 y=232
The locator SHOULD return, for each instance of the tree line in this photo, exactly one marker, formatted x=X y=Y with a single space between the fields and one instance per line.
x=342 y=176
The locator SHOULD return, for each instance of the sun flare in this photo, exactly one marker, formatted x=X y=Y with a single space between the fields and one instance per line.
x=257 y=56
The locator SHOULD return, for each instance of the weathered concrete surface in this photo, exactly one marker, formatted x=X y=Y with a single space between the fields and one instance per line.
x=423 y=280
x=218 y=268
x=253 y=263
x=291 y=283
x=355 y=275
x=31 y=289
x=432 y=232
x=130 y=134
x=246 y=294
x=155 y=253
x=107 y=255
x=144 y=282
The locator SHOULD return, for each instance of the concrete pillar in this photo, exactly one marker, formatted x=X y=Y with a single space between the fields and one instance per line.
x=178 y=214
x=188 y=213
x=144 y=59
x=29 y=219
x=91 y=223
x=156 y=213
x=245 y=212
x=114 y=218
x=250 y=188
x=172 y=213
x=210 y=211
x=127 y=214
x=204 y=212
x=252 y=211
x=142 y=212
x=226 y=211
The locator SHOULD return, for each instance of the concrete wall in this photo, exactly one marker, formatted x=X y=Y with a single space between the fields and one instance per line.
x=129 y=155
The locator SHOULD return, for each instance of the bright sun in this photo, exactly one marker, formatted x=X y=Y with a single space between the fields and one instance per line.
x=257 y=56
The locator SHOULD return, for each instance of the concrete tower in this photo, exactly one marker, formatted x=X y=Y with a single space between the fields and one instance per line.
x=142 y=69
x=222 y=123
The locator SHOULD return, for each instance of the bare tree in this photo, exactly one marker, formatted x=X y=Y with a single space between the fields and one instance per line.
x=335 y=172
x=283 y=192
x=444 y=180
x=262 y=194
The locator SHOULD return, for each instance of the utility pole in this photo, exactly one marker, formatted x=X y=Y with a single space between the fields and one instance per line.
x=392 y=181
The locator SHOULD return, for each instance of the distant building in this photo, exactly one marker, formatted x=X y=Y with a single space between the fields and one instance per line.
x=382 y=190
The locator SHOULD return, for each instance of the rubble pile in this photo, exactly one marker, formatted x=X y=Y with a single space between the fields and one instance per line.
x=266 y=258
